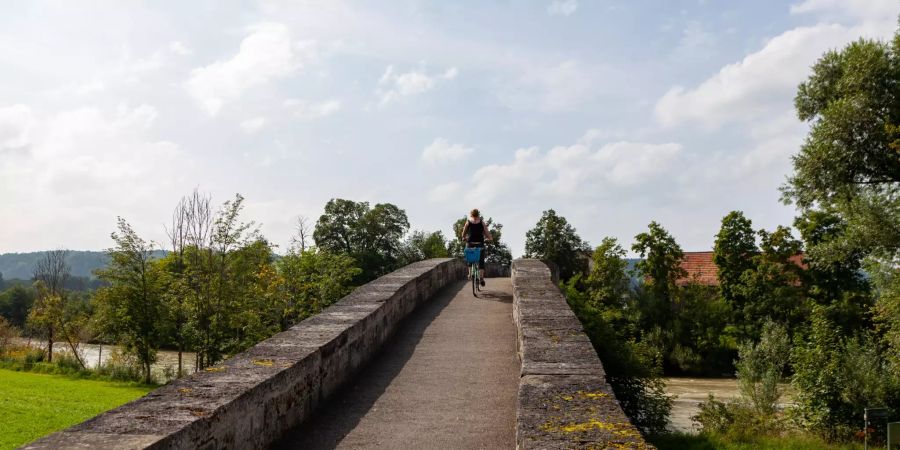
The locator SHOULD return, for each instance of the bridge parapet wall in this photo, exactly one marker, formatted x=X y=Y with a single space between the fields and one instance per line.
x=564 y=400
x=251 y=399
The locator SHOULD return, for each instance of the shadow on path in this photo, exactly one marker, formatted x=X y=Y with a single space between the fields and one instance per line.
x=495 y=296
x=341 y=414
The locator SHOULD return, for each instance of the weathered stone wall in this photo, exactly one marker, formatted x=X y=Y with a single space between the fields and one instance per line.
x=496 y=270
x=248 y=401
x=564 y=400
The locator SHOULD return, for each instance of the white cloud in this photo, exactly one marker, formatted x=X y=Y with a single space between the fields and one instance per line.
x=859 y=9
x=179 y=48
x=549 y=88
x=763 y=83
x=562 y=7
x=267 y=53
x=393 y=85
x=16 y=122
x=441 y=151
x=444 y=192
x=312 y=110
x=695 y=42
x=253 y=125
x=577 y=170
x=86 y=165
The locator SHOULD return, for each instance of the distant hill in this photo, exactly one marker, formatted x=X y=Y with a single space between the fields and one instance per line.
x=83 y=263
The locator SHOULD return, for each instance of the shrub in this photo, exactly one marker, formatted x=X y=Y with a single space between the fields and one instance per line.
x=836 y=377
x=714 y=417
x=761 y=366
x=121 y=367
x=7 y=334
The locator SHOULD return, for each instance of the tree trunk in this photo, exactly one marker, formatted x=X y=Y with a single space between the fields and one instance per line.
x=180 y=346
x=50 y=345
x=74 y=349
x=100 y=356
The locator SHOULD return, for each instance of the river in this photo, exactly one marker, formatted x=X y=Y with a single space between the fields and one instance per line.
x=166 y=361
x=692 y=391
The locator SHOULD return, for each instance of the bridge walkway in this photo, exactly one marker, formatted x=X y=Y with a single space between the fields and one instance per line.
x=447 y=379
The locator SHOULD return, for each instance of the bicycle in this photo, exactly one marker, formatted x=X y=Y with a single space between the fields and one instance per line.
x=473 y=256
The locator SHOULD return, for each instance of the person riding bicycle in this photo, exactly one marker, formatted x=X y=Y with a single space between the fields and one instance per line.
x=475 y=232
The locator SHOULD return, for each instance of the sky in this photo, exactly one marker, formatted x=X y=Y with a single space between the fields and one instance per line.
x=612 y=112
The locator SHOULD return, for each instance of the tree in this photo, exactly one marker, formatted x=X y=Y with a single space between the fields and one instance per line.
x=497 y=250
x=15 y=303
x=312 y=280
x=50 y=274
x=371 y=236
x=132 y=305
x=302 y=239
x=761 y=367
x=553 y=239
x=608 y=281
x=660 y=263
x=420 y=245
x=837 y=285
x=836 y=376
x=774 y=288
x=735 y=247
x=849 y=164
x=632 y=368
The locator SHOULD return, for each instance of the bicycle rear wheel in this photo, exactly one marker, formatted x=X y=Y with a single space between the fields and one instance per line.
x=474 y=280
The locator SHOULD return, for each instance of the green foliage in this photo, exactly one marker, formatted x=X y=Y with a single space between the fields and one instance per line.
x=7 y=333
x=497 y=250
x=716 y=441
x=714 y=416
x=887 y=311
x=632 y=367
x=132 y=305
x=554 y=239
x=837 y=285
x=15 y=302
x=608 y=281
x=660 y=263
x=735 y=247
x=701 y=340
x=773 y=288
x=761 y=367
x=849 y=164
x=836 y=376
x=371 y=236
x=420 y=245
x=312 y=280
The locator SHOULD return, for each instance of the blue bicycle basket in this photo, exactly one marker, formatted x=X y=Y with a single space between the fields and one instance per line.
x=473 y=255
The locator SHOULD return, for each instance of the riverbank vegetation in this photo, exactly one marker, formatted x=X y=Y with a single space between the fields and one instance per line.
x=33 y=405
x=821 y=309
x=218 y=288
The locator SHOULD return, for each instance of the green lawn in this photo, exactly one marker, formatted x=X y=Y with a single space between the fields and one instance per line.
x=683 y=441
x=33 y=405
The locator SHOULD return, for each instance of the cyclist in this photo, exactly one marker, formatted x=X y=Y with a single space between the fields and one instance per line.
x=474 y=233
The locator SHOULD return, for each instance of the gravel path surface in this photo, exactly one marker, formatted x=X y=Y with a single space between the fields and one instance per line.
x=447 y=379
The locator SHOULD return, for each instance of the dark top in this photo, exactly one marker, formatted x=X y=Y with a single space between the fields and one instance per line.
x=476 y=231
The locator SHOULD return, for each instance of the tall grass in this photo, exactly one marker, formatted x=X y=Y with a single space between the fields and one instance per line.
x=118 y=367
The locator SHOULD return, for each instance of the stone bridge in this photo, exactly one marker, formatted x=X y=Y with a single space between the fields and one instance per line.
x=410 y=360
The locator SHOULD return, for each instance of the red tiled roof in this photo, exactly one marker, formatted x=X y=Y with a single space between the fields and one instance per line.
x=701 y=269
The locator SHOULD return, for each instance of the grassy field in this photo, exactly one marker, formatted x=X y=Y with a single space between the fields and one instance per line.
x=33 y=405
x=683 y=441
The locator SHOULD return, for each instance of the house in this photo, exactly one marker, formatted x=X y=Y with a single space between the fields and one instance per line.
x=702 y=270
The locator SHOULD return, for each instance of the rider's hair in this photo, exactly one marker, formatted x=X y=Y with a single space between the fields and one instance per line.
x=475 y=213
